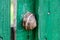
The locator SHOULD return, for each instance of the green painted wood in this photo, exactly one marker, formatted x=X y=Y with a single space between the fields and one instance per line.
x=53 y=29
x=4 y=19
x=47 y=14
x=24 y=6
x=42 y=21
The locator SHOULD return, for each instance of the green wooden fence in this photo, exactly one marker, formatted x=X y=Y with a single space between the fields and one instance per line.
x=24 y=6
x=47 y=14
x=4 y=19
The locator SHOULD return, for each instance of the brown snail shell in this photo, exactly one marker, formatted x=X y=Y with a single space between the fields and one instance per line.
x=29 y=21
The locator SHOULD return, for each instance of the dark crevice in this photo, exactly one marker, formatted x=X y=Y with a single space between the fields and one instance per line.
x=1 y=38
x=12 y=33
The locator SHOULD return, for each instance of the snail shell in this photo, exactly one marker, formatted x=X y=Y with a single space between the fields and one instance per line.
x=29 y=21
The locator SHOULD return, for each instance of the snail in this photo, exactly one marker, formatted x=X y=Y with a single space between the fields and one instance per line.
x=29 y=21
